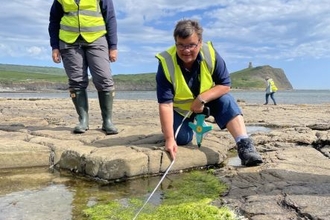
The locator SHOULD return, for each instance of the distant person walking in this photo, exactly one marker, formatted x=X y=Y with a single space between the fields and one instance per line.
x=83 y=33
x=270 y=90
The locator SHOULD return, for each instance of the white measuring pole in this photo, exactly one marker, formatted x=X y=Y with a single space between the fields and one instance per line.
x=168 y=168
x=161 y=180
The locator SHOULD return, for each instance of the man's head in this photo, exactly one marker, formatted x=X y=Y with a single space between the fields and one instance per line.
x=186 y=27
x=188 y=39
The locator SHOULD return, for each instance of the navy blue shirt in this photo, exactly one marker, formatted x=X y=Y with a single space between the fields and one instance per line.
x=109 y=16
x=165 y=90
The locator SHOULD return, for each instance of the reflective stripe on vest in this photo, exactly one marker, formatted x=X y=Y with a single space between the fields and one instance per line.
x=169 y=65
x=84 y=19
x=81 y=29
x=84 y=12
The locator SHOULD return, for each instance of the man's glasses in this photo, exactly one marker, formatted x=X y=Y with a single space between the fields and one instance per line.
x=187 y=46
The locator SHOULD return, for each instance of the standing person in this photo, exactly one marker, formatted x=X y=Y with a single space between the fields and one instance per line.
x=191 y=75
x=270 y=90
x=83 y=33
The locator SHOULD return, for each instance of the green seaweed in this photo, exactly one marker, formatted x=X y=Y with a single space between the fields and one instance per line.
x=186 y=199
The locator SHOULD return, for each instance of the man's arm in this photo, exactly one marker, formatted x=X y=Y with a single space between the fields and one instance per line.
x=166 y=120
x=165 y=96
x=109 y=15
x=55 y=16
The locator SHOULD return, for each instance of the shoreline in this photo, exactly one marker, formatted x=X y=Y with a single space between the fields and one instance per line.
x=295 y=150
x=300 y=97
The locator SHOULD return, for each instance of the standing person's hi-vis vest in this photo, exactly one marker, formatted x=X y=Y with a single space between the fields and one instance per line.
x=183 y=97
x=273 y=87
x=84 y=19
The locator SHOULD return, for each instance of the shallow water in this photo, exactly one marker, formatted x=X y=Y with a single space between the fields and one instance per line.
x=250 y=97
x=38 y=193
x=254 y=129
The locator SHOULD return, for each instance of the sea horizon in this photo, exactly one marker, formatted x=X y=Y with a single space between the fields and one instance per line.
x=294 y=96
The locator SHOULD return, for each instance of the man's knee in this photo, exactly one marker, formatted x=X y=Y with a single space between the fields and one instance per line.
x=184 y=138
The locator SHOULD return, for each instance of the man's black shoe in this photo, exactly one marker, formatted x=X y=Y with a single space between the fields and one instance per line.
x=247 y=153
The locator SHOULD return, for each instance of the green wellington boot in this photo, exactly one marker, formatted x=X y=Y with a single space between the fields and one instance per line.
x=106 y=102
x=80 y=101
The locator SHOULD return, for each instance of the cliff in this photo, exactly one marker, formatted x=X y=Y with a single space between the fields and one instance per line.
x=16 y=77
x=254 y=78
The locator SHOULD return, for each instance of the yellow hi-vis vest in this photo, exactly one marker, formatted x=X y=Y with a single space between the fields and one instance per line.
x=273 y=87
x=183 y=97
x=84 y=19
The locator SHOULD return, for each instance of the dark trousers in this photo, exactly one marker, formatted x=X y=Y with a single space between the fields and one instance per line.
x=271 y=96
x=222 y=109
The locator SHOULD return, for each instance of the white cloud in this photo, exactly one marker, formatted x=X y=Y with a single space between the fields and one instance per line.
x=24 y=30
x=255 y=30
x=285 y=25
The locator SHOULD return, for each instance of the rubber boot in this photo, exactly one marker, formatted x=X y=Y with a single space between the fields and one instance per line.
x=247 y=153
x=80 y=101
x=106 y=102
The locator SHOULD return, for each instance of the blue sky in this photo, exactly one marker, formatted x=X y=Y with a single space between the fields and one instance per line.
x=293 y=35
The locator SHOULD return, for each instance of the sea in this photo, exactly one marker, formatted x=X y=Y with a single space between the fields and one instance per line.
x=247 y=96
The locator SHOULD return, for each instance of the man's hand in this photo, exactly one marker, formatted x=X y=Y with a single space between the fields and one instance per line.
x=197 y=106
x=171 y=147
x=113 y=55
x=56 y=55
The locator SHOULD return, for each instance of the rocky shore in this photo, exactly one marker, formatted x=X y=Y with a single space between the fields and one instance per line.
x=293 y=182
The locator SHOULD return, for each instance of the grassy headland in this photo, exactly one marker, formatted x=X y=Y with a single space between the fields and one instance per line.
x=51 y=78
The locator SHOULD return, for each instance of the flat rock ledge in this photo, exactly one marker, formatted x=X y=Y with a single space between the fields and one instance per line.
x=294 y=141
